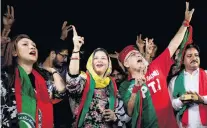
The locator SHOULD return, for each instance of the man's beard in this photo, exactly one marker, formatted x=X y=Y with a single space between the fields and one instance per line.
x=56 y=64
x=119 y=81
x=141 y=69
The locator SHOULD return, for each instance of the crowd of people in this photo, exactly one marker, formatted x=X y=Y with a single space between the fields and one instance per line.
x=143 y=90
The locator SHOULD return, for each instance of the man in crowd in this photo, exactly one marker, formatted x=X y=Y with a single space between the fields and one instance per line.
x=56 y=57
x=188 y=91
x=149 y=104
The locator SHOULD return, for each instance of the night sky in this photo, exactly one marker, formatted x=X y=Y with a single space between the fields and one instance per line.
x=107 y=24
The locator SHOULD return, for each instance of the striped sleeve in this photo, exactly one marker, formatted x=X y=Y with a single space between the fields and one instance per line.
x=121 y=114
x=75 y=83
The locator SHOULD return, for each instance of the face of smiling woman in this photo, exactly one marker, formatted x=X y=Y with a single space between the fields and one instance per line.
x=100 y=63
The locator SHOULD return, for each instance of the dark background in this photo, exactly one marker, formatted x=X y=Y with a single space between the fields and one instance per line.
x=107 y=24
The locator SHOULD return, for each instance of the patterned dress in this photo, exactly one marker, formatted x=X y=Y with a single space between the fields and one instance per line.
x=94 y=117
x=8 y=111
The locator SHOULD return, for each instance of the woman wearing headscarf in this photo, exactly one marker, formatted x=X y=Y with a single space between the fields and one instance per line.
x=93 y=95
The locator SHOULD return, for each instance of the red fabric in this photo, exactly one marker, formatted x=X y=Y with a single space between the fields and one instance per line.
x=189 y=41
x=115 y=89
x=136 y=89
x=42 y=97
x=125 y=51
x=156 y=81
x=202 y=107
x=140 y=111
x=186 y=23
x=84 y=96
x=55 y=101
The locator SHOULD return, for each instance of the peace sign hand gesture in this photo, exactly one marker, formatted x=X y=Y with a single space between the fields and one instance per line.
x=188 y=14
x=149 y=46
x=140 y=43
x=8 y=18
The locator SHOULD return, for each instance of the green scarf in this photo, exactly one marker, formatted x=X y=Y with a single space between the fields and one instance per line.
x=181 y=48
x=179 y=90
x=186 y=40
x=126 y=96
x=88 y=96
x=28 y=98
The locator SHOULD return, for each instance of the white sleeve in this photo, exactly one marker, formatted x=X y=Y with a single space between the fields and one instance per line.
x=205 y=99
x=176 y=103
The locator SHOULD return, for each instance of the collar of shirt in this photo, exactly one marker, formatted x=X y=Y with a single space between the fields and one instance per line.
x=193 y=73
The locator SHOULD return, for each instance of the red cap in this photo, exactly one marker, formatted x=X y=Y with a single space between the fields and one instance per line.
x=125 y=51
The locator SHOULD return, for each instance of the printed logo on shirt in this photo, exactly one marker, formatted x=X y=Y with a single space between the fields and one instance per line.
x=152 y=75
x=154 y=85
x=27 y=120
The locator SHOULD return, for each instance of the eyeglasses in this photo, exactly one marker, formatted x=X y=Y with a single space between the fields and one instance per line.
x=64 y=56
x=133 y=54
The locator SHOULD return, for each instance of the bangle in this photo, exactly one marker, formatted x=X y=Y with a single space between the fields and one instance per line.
x=75 y=51
x=74 y=58
x=186 y=23
x=54 y=72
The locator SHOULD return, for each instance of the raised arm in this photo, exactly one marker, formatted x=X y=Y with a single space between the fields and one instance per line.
x=177 y=39
x=116 y=57
x=139 y=81
x=130 y=105
x=74 y=64
x=65 y=29
x=140 y=44
x=149 y=49
x=8 y=20
x=58 y=81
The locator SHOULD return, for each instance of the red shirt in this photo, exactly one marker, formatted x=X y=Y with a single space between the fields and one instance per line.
x=156 y=77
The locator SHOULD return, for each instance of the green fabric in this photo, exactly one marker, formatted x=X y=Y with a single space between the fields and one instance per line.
x=125 y=92
x=111 y=96
x=179 y=90
x=90 y=97
x=182 y=46
x=149 y=118
x=28 y=97
x=87 y=102
x=135 y=113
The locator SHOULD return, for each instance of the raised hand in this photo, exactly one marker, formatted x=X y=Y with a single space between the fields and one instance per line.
x=149 y=46
x=140 y=80
x=65 y=30
x=188 y=13
x=5 y=40
x=78 y=41
x=8 y=18
x=116 y=55
x=154 y=51
x=140 y=43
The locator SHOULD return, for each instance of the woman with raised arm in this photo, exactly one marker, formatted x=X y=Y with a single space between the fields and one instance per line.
x=25 y=101
x=93 y=94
